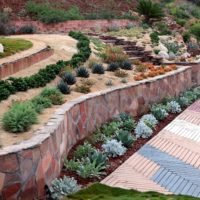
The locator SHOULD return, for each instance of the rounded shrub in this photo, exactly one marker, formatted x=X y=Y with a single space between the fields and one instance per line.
x=126 y=65
x=113 y=67
x=63 y=87
x=69 y=78
x=82 y=72
x=53 y=94
x=40 y=103
x=19 y=118
x=98 y=69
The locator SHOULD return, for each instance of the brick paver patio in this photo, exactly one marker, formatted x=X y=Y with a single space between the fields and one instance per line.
x=168 y=163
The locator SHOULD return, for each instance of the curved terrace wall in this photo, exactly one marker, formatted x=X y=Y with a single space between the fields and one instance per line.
x=9 y=68
x=27 y=167
x=73 y=25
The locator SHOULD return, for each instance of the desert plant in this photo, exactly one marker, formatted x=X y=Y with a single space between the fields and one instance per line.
x=19 y=117
x=159 y=112
x=69 y=78
x=140 y=68
x=124 y=80
x=186 y=37
x=128 y=125
x=83 y=151
x=121 y=74
x=183 y=101
x=149 y=120
x=114 y=148
x=173 y=107
x=110 y=129
x=143 y=131
x=82 y=72
x=63 y=187
x=125 y=138
x=154 y=38
x=150 y=10
x=195 y=30
x=109 y=83
x=63 y=87
x=82 y=89
x=40 y=103
x=113 y=67
x=53 y=94
x=98 y=69
x=126 y=65
x=113 y=28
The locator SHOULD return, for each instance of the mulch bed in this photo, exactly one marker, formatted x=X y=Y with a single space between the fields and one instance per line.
x=114 y=163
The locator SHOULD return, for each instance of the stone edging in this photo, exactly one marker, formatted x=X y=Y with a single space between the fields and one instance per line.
x=7 y=69
x=34 y=163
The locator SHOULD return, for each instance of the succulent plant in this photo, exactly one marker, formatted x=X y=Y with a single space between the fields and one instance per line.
x=98 y=69
x=126 y=65
x=69 y=78
x=63 y=87
x=113 y=67
x=82 y=72
x=125 y=138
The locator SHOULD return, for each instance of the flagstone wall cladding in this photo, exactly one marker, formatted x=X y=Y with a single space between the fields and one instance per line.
x=7 y=69
x=27 y=167
x=73 y=25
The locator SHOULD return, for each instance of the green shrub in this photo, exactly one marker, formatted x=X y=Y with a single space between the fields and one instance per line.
x=125 y=138
x=19 y=118
x=154 y=38
x=40 y=103
x=181 y=22
x=113 y=67
x=195 y=30
x=150 y=10
x=20 y=84
x=83 y=89
x=27 y=29
x=163 y=29
x=159 y=112
x=110 y=129
x=63 y=87
x=53 y=94
x=186 y=37
x=126 y=65
x=47 y=14
x=82 y=72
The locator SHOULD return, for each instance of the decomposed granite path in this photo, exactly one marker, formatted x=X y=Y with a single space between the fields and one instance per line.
x=169 y=162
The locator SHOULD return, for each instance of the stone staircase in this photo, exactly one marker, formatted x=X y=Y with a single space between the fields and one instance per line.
x=131 y=48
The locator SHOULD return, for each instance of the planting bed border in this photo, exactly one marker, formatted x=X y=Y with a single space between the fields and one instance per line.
x=10 y=68
x=27 y=167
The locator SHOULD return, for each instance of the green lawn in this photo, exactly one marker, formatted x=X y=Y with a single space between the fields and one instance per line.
x=102 y=192
x=12 y=46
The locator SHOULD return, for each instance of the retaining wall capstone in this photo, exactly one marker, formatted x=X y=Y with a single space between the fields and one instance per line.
x=7 y=69
x=27 y=167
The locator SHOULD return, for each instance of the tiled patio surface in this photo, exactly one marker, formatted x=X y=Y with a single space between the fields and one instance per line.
x=168 y=163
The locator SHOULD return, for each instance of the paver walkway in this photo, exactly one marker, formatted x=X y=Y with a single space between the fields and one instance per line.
x=169 y=162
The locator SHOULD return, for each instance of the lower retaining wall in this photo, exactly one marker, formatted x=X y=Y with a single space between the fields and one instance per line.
x=7 y=69
x=73 y=25
x=27 y=167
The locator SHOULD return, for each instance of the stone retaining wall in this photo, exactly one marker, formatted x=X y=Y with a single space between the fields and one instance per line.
x=77 y=25
x=7 y=69
x=27 y=167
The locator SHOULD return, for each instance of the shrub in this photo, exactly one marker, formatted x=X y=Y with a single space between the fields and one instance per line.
x=121 y=73
x=40 y=103
x=183 y=101
x=98 y=69
x=140 y=68
x=123 y=117
x=63 y=187
x=113 y=67
x=27 y=29
x=150 y=10
x=128 y=125
x=125 y=138
x=69 y=78
x=142 y=130
x=154 y=38
x=172 y=46
x=88 y=169
x=19 y=118
x=83 y=89
x=20 y=84
x=163 y=29
x=149 y=120
x=113 y=28
x=83 y=151
x=126 y=65
x=159 y=112
x=53 y=94
x=186 y=37
x=82 y=72
x=114 y=148
x=110 y=129
x=173 y=107
x=109 y=83
x=195 y=30
x=63 y=87
x=4 y=23
x=181 y=22
x=124 y=80
x=99 y=158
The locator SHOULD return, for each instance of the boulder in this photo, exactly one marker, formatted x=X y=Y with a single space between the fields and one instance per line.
x=1 y=48
x=164 y=55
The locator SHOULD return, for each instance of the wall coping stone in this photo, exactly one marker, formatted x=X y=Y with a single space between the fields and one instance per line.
x=43 y=133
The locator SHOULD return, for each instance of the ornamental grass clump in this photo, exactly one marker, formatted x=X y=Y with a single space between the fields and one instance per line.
x=20 y=117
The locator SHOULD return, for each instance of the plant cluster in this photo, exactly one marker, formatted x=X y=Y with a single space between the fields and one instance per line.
x=98 y=69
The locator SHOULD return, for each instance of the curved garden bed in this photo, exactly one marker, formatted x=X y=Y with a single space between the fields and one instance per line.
x=33 y=164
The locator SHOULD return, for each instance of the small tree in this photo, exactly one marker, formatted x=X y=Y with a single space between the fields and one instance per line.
x=150 y=10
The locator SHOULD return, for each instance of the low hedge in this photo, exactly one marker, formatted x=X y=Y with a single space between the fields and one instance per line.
x=46 y=75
